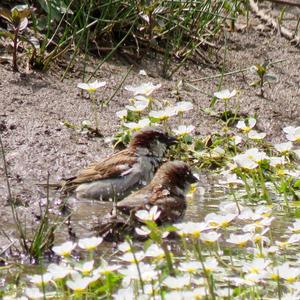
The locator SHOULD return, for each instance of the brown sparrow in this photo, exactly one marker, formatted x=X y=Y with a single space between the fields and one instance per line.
x=167 y=190
x=116 y=176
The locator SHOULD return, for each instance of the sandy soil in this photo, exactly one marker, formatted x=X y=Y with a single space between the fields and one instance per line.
x=34 y=106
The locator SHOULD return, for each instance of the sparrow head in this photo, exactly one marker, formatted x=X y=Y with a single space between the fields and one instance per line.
x=175 y=173
x=154 y=139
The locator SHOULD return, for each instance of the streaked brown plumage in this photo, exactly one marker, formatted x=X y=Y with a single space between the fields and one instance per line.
x=118 y=175
x=167 y=191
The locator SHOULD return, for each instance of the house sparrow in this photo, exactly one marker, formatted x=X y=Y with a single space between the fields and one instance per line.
x=167 y=190
x=116 y=176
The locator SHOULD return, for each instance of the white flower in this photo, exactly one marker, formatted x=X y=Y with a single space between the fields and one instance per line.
x=292 y=133
x=64 y=249
x=155 y=252
x=40 y=279
x=225 y=94
x=124 y=247
x=288 y=273
x=90 y=244
x=91 y=87
x=210 y=237
x=138 y=106
x=294 y=238
x=78 y=283
x=85 y=268
x=250 y=159
x=258 y=225
x=129 y=257
x=277 y=161
x=59 y=271
x=257 y=266
x=297 y=153
x=237 y=281
x=125 y=294
x=239 y=239
x=210 y=264
x=295 y=226
x=139 y=125
x=7 y=297
x=142 y=72
x=147 y=272
x=143 y=230
x=256 y=155
x=246 y=126
x=106 y=268
x=230 y=208
x=184 y=130
x=151 y=215
x=231 y=179
x=164 y=114
x=190 y=266
x=34 y=293
x=122 y=114
x=176 y=282
x=143 y=89
x=191 y=229
x=217 y=152
x=243 y=161
x=217 y=220
x=284 y=147
x=183 y=106
x=236 y=140
x=254 y=135
x=255 y=277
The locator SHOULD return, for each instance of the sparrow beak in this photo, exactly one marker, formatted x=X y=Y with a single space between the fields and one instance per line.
x=193 y=178
x=171 y=140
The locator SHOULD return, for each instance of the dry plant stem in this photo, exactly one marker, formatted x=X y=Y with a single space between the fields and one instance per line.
x=112 y=52
x=268 y=19
x=118 y=87
x=136 y=263
x=12 y=204
x=15 y=41
x=287 y=2
x=233 y=72
x=95 y=111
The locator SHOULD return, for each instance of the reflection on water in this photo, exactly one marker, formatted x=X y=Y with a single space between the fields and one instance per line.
x=85 y=214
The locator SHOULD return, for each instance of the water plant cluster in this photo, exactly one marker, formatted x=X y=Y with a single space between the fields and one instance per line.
x=243 y=250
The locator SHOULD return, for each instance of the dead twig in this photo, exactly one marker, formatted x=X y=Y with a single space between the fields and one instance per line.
x=295 y=39
x=286 y=2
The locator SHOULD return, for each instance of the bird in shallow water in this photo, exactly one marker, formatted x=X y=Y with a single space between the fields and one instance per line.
x=167 y=190
x=118 y=175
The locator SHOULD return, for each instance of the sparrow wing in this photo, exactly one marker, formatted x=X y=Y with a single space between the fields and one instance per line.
x=114 y=166
x=172 y=208
x=135 y=201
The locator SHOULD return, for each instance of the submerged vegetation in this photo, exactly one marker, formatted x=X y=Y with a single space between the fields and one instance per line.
x=232 y=253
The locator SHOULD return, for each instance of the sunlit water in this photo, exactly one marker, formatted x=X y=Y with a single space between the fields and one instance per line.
x=85 y=215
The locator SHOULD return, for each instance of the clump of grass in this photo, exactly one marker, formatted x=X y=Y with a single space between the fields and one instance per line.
x=33 y=246
x=174 y=29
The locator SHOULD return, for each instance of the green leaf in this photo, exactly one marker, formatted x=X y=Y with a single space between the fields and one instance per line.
x=297 y=183
x=297 y=213
x=6 y=14
x=213 y=102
